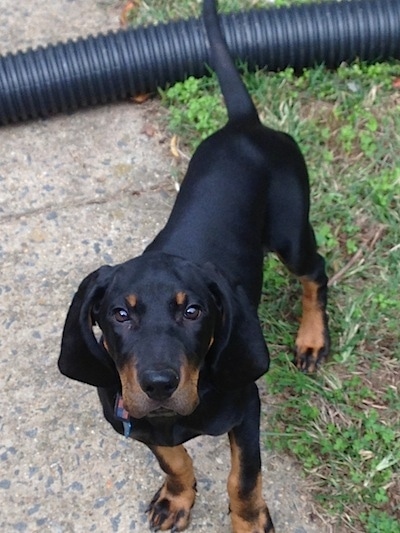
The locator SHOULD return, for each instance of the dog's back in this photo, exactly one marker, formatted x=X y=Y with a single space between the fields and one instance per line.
x=226 y=197
x=223 y=195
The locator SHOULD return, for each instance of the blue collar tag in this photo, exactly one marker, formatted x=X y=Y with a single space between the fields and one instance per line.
x=123 y=416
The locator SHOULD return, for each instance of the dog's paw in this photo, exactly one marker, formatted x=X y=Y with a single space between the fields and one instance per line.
x=312 y=343
x=168 y=510
x=260 y=523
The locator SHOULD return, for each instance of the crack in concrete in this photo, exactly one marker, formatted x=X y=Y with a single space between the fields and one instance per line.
x=166 y=186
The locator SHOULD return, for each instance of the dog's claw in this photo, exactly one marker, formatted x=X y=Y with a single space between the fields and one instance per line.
x=309 y=360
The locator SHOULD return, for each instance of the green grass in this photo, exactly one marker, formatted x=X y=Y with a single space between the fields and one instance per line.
x=342 y=425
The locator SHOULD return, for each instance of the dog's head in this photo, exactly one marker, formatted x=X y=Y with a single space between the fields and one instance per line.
x=163 y=322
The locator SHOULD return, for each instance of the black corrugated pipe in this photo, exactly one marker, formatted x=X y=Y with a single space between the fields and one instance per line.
x=106 y=68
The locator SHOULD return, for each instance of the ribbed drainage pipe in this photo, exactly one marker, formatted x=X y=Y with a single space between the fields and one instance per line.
x=106 y=68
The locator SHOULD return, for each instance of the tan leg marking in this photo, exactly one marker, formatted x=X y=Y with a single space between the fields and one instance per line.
x=171 y=505
x=249 y=512
x=311 y=342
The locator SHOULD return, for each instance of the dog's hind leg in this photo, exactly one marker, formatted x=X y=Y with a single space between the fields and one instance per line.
x=312 y=342
x=298 y=251
x=171 y=505
x=291 y=236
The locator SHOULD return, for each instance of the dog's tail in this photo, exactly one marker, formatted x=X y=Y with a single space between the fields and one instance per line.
x=237 y=99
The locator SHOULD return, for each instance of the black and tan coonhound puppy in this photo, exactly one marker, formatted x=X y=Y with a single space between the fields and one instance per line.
x=181 y=344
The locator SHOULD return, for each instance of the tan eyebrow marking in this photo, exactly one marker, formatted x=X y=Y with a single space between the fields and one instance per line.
x=180 y=297
x=132 y=300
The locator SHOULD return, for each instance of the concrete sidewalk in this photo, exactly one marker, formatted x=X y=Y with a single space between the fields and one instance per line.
x=77 y=192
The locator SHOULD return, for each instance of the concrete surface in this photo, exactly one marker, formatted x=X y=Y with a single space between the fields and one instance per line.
x=76 y=192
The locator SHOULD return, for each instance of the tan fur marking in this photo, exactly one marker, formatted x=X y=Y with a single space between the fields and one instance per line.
x=234 y=475
x=135 y=400
x=184 y=400
x=132 y=300
x=188 y=385
x=311 y=332
x=180 y=297
x=252 y=506
x=178 y=489
x=177 y=464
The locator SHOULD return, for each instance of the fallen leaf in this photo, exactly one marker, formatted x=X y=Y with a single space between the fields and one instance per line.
x=149 y=130
x=140 y=98
x=396 y=83
x=174 y=147
x=126 y=12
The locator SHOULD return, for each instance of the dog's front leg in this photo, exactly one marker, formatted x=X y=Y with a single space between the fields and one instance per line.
x=171 y=505
x=249 y=512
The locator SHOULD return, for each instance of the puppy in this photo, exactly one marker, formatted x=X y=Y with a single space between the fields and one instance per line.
x=181 y=344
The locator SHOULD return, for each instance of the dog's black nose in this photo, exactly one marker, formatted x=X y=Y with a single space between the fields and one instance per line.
x=159 y=384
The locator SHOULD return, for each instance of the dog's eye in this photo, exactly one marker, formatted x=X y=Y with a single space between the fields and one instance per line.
x=121 y=315
x=192 y=312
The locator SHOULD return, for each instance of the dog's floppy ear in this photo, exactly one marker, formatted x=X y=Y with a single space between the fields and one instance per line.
x=239 y=354
x=82 y=357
